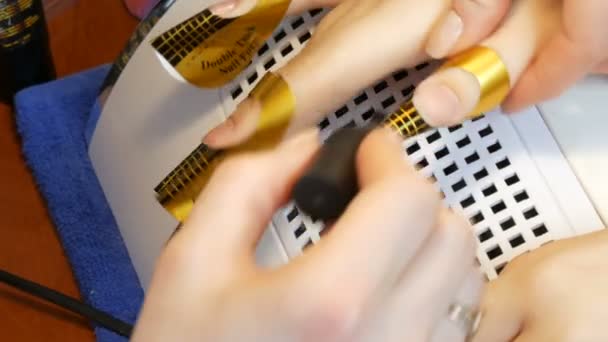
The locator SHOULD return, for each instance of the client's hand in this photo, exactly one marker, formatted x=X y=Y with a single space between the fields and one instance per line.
x=556 y=293
x=357 y=43
x=396 y=266
x=547 y=46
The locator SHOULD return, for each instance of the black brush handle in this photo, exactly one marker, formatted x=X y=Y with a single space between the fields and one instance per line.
x=331 y=182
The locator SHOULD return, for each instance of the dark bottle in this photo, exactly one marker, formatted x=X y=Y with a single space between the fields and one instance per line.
x=25 y=54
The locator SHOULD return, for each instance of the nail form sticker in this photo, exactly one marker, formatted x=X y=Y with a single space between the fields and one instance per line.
x=209 y=51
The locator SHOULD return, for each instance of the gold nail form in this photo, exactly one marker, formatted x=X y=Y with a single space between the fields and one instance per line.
x=209 y=51
x=491 y=74
x=180 y=188
x=494 y=84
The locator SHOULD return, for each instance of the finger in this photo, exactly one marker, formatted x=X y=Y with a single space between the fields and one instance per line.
x=502 y=314
x=561 y=64
x=467 y=23
x=447 y=97
x=231 y=214
x=234 y=8
x=341 y=59
x=381 y=230
x=575 y=50
x=431 y=282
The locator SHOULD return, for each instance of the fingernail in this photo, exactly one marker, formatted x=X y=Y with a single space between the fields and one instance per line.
x=446 y=37
x=216 y=133
x=437 y=104
x=224 y=7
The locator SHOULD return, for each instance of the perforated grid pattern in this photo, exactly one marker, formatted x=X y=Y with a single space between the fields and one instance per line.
x=471 y=164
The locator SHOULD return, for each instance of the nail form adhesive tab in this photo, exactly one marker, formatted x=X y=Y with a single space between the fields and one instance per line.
x=491 y=74
x=209 y=51
x=178 y=191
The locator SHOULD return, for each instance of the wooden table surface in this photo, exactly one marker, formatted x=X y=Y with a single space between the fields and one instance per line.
x=83 y=35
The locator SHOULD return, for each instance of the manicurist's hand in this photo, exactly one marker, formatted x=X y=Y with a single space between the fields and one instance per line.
x=556 y=293
x=396 y=266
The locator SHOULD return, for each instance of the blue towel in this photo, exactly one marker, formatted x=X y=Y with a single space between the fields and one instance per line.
x=52 y=120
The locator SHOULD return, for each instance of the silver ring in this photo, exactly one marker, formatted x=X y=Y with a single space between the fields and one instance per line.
x=466 y=316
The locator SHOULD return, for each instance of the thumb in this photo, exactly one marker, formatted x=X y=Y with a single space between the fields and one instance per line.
x=231 y=214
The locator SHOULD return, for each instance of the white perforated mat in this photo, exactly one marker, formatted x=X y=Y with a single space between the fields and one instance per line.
x=483 y=168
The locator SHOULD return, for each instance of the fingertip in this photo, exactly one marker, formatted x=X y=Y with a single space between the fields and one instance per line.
x=446 y=36
x=380 y=152
x=232 y=8
x=511 y=107
x=466 y=24
x=236 y=128
x=437 y=103
x=223 y=8
x=447 y=97
x=481 y=18
x=214 y=137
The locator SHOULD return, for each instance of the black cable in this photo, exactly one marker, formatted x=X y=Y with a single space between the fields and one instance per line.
x=95 y=315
